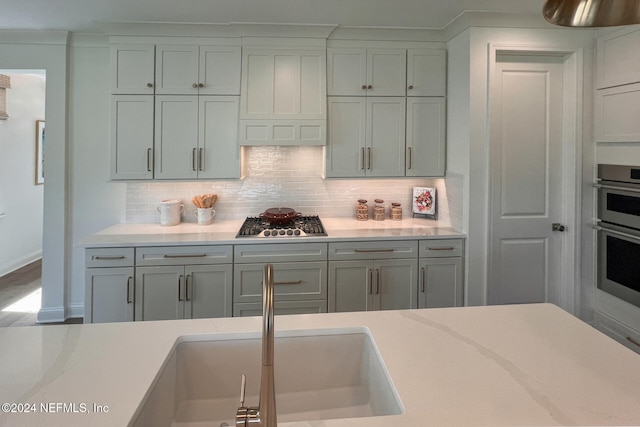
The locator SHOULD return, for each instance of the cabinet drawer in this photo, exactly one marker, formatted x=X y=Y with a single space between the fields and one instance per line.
x=108 y=257
x=280 y=308
x=618 y=331
x=280 y=252
x=184 y=255
x=441 y=248
x=373 y=250
x=293 y=281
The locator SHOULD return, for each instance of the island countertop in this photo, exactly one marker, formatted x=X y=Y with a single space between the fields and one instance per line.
x=224 y=232
x=496 y=365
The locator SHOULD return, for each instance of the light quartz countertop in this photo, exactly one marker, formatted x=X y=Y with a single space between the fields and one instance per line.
x=224 y=232
x=490 y=366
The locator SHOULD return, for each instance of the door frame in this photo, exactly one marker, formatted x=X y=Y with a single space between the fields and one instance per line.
x=569 y=293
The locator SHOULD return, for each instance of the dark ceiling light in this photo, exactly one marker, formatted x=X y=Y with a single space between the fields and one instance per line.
x=592 y=13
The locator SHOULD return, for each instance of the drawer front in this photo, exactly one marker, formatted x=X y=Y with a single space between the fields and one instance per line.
x=280 y=252
x=373 y=250
x=293 y=281
x=108 y=257
x=184 y=255
x=616 y=330
x=280 y=307
x=444 y=248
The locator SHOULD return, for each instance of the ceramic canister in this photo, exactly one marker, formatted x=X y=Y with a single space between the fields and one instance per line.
x=170 y=211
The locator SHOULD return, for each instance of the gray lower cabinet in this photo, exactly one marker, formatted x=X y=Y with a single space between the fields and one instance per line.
x=300 y=282
x=183 y=292
x=441 y=281
x=372 y=275
x=109 y=285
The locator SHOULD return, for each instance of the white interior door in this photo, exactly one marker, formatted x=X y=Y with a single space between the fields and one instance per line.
x=526 y=179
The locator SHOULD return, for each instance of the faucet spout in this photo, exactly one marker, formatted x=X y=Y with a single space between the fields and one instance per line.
x=264 y=415
x=267 y=404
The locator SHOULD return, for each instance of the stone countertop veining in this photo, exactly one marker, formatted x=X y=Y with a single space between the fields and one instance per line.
x=496 y=365
x=224 y=232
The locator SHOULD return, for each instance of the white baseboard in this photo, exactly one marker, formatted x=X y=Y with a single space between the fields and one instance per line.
x=60 y=314
x=19 y=263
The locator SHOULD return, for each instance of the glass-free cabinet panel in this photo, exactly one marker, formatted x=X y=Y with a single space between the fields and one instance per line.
x=426 y=72
x=441 y=283
x=109 y=295
x=159 y=293
x=132 y=69
x=176 y=137
x=208 y=291
x=132 y=137
x=426 y=136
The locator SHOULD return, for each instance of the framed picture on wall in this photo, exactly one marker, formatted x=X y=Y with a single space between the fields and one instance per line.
x=39 y=152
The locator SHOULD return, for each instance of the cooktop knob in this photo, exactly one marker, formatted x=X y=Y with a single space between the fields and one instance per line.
x=282 y=232
x=289 y=232
x=296 y=232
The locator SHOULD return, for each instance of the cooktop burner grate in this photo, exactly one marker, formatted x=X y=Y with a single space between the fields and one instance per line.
x=305 y=225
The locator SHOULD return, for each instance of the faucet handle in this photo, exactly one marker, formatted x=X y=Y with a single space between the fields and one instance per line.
x=243 y=386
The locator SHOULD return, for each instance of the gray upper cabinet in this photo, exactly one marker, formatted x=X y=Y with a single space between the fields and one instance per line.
x=366 y=71
x=426 y=136
x=133 y=69
x=198 y=70
x=283 y=100
x=617 y=59
x=426 y=72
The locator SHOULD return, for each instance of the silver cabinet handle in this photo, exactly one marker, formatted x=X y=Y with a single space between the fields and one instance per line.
x=180 y=287
x=108 y=257
x=444 y=248
x=370 y=281
x=200 y=156
x=378 y=281
x=423 y=279
x=296 y=282
x=184 y=255
x=369 y=158
x=149 y=162
x=410 y=156
x=373 y=250
x=362 y=158
x=193 y=160
x=186 y=287
x=615 y=187
x=129 y=299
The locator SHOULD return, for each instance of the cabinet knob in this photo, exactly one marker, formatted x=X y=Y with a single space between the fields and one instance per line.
x=149 y=84
x=369 y=87
x=195 y=85
x=411 y=87
x=364 y=87
x=201 y=85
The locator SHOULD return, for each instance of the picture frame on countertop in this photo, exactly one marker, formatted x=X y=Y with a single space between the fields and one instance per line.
x=39 y=152
x=424 y=202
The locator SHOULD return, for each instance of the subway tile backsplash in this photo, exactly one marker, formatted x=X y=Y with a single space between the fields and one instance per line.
x=292 y=177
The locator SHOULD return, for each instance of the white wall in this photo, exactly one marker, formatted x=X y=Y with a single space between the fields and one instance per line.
x=21 y=200
x=48 y=50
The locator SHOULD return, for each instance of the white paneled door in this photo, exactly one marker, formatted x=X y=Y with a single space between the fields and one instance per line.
x=526 y=180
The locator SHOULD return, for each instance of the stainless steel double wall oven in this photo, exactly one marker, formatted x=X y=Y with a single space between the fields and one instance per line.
x=618 y=226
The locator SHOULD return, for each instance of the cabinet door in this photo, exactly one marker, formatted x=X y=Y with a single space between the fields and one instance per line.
x=109 y=295
x=208 y=291
x=131 y=137
x=176 y=137
x=347 y=71
x=616 y=114
x=160 y=293
x=347 y=135
x=132 y=69
x=426 y=72
x=218 y=149
x=395 y=284
x=280 y=308
x=385 y=136
x=617 y=59
x=351 y=286
x=219 y=71
x=177 y=70
x=386 y=72
x=426 y=142
x=441 y=283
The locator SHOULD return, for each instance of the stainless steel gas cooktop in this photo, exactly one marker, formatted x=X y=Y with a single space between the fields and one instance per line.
x=300 y=226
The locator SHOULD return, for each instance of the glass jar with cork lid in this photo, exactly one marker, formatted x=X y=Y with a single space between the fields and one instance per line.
x=396 y=211
x=362 y=210
x=378 y=210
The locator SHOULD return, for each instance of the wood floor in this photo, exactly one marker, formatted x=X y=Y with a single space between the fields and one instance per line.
x=15 y=286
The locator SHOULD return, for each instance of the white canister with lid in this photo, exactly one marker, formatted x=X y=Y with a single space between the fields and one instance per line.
x=170 y=211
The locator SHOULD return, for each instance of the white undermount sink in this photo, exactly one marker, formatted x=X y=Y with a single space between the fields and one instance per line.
x=319 y=375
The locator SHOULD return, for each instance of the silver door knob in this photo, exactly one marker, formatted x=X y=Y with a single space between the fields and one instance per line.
x=556 y=226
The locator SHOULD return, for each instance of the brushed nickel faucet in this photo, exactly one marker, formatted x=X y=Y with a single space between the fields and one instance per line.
x=264 y=415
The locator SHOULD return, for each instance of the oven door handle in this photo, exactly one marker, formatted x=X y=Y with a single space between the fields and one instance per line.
x=615 y=187
x=617 y=233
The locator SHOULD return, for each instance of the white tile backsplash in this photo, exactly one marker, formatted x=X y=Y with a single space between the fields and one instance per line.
x=291 y=177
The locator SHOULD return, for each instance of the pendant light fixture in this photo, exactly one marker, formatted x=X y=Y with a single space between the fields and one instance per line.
x=592 y=13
